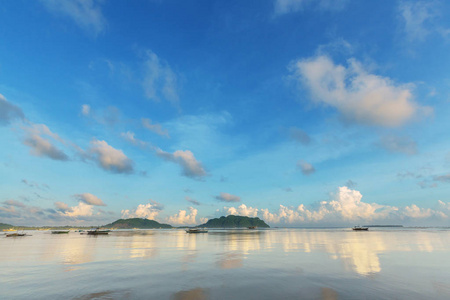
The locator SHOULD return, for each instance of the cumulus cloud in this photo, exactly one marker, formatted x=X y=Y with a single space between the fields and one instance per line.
x=89 y=199
x=360 y=97
x=149 y=211
x=305 y=167
x=190 y=165
x=290 y=6
x=346 y=207
x=185 y=218
x=109 y=158
x=159 y=81
x=241 y=210
x=398 y=144
x=9 y=112
x=40 y=146
x=155 y=127
x=225 y=197
x=81 y=210
x=299 y=136
x=86 y=14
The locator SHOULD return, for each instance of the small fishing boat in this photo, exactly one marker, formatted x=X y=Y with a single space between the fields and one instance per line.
x=98 y=231
x=252 y=227
x=196 y=230
x=15 y=234
x=359 y=228
x=60 y=231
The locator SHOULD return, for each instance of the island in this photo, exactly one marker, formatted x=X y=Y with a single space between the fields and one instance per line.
x=232 y=221
x=136 y=223
x=4 y=226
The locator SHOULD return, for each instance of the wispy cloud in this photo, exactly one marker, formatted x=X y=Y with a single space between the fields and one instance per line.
x=9 y=112
x=40 y=146
x=155 y=127
x=225 y=197
x=160 y=82
x=360 y=97
x=193 y=201
x=299 y=136
x=305 y=167
x=290 y=6
x=87 y=14
x=398 y=144
x=421 y=19
x=89 y=199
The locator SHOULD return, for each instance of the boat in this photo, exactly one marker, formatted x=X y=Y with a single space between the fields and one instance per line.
x=15 y=234
x=60 y=231
x=252 y=227
x=196 y=230
x=98 y=231
x=359 y=228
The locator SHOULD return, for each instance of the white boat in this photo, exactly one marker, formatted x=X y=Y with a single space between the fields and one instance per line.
x=196 y=230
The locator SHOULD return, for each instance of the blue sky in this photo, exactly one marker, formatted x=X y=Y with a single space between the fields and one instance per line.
x=300 y=112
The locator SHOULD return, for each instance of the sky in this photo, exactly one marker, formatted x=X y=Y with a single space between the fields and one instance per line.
x=300 y=112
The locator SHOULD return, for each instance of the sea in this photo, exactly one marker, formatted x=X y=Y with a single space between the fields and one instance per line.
x=278 y=263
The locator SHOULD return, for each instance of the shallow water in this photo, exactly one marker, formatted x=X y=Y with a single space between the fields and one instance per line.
x=228 y=264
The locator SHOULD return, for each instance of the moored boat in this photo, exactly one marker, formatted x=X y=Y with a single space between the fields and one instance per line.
x=98 y=231
x=60 y=231
x=359 y=228
x=252 y=227
x=15 y=234
x=196 y=230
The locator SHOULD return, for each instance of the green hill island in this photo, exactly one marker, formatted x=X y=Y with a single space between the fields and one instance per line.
x=232 y=221
x=136 y=223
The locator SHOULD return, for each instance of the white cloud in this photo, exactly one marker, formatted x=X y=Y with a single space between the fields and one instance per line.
x=241 y=210
x=184 y=218
x=86 y=14
x=345 y=207
x=290 y=6
x=359 y=97
x=81 y=210
x=155 y=127
x=305 y=167
x=399 y=144
x=148 y=211
x=109 y=158
x=9 y=112
x=190 y=165
x=89 y=199
x=225 y=197
x=159 y=81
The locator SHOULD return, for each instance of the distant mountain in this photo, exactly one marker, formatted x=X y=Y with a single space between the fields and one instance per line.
x=5 y=226
x=136 y=223
x=232 y=221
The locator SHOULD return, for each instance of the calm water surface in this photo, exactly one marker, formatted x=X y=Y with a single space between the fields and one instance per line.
x=228 y=264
